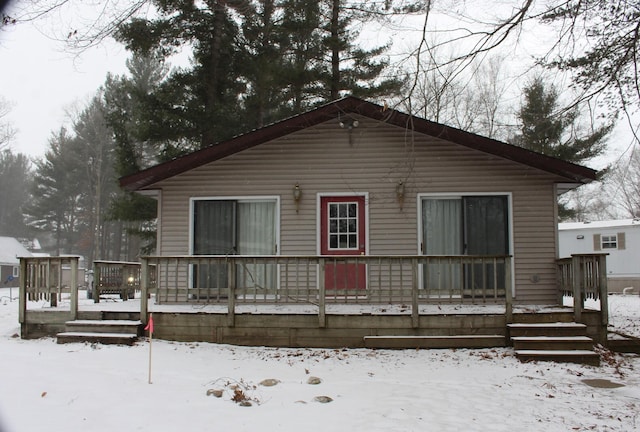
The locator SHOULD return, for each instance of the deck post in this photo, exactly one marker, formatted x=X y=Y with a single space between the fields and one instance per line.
x=322 y=319
x=144 y=289
x=73 y=287
x=604 y=290
x=22 y=293
x=231 y=299
x=508 y=291
x=415 y=308
x=576 y=283
x=53 y=296
x=95 y=292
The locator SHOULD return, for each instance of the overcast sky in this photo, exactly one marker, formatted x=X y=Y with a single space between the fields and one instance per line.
x=42 y=82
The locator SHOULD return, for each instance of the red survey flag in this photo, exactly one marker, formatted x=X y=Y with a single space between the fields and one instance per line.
x=150 y=324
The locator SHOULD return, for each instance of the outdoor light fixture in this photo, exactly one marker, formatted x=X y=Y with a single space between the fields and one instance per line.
x=580 y=237
x=400 y=193
x=348 y=123
x=297 y=194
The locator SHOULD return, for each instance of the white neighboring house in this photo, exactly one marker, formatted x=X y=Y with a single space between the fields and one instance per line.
x=619 y=238
x=10 y=250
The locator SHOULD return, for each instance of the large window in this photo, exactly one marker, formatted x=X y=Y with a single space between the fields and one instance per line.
x=464 y=225
x=234 y=227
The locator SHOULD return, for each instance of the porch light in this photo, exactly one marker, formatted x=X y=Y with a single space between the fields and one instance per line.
x=349 y=123
x=400 y=193
x=297 y=194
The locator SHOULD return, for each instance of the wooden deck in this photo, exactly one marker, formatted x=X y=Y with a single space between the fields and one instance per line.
x=313 y=318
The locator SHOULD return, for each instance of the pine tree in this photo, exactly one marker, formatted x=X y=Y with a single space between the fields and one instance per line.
x=57 y=195
x=197 y=106
x=350 y=69
x=546 y=130
x=15 y=181
x=126 y=104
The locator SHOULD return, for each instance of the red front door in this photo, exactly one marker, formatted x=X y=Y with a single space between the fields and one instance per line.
x=342 y=232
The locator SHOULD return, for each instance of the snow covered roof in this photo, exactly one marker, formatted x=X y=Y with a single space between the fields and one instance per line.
x=598 y=224
x=10 y=250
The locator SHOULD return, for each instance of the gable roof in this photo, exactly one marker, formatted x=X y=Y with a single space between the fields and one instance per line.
x=574 y=174
x=10 y=250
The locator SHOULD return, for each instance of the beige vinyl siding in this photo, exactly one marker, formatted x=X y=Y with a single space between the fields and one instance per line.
x=322 y=160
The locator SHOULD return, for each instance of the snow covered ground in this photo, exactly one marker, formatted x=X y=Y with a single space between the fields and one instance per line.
x=84 y=387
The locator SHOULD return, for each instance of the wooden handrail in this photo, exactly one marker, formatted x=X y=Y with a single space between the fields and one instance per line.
x=584 y=276
x=276 y=279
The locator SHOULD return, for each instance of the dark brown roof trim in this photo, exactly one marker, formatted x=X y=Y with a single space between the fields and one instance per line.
x=350 y=104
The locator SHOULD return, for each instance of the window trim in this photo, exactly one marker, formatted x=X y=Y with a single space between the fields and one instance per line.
x=321 y=195
x=238 y=198
x=458 y=195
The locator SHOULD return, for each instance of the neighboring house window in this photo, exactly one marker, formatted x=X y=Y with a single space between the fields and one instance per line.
x=609 y=242
x=234 y=227
x=464 y=225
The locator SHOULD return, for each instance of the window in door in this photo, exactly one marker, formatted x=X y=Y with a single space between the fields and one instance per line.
x=234 y=227
x=343 y=232
x=464 y=225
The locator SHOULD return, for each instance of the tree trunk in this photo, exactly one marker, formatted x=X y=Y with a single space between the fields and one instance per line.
x=335 y=51
x=209 y=134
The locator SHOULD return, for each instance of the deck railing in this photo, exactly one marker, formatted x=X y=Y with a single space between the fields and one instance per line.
x=322 y=280
x=115 y=277
x=584 y=276
x=41 y=279
x=408 y=281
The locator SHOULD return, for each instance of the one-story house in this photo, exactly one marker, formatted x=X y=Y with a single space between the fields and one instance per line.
x=10 y=250
x=620 y=239
x=303 y=207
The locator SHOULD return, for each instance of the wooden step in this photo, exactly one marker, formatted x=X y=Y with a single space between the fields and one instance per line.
x=560 y=343
x=102 y=338
x=104 y=326
x=460 y=341
x=563 y=342
x=113 y=331
x=547 y=329
x=560 y=356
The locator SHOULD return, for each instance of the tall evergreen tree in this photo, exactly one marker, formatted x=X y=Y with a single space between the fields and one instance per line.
x=126 y=104
x=56 y=205
x=263 y=46
x=197 y=106
x=15 y=181
x=94 y=152
x=350 y=68
x=546 y=130
x=303 y=59
x=253 y=62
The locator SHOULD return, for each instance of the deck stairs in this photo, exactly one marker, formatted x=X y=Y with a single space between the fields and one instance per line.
x=102 y=331
x=562 y=342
